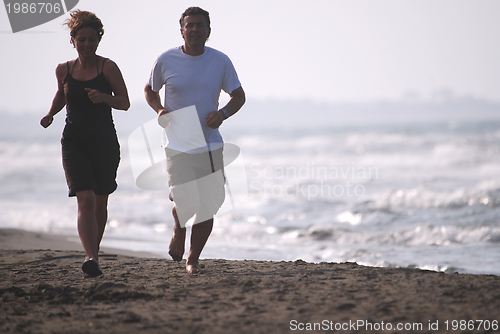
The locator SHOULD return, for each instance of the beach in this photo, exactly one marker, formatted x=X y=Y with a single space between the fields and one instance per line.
x=43 y=291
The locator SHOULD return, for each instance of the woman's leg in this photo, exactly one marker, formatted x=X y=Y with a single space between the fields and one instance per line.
x=101 y=216
x=87 y=223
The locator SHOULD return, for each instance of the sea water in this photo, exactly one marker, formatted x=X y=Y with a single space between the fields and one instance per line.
x=414 y=195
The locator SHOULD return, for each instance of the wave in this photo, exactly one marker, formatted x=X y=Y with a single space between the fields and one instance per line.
x=394 y=196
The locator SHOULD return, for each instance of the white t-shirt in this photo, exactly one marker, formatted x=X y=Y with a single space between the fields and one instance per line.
x=193 y=81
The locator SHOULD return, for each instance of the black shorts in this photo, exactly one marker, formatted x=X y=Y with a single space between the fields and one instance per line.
x=91 y=164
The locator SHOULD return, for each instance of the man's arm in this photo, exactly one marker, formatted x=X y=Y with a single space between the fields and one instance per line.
x=215 y=118
x=236 y=102
x=154 y=100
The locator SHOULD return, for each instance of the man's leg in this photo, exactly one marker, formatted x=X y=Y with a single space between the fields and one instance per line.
x=199 y=236
x=176 y=248
x=211 y=188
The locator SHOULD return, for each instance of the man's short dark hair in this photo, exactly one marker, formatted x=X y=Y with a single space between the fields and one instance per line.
x=191 y=11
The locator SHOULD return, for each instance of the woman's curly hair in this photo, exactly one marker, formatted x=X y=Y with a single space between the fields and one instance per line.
x=80 y=19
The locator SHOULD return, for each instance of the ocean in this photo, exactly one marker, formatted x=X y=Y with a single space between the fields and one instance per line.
x=414 y=194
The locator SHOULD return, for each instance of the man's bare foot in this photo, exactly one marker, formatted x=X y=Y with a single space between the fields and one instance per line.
x=193 y=267
x=176 y=247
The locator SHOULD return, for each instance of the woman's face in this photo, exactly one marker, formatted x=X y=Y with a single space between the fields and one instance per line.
x=86 y=41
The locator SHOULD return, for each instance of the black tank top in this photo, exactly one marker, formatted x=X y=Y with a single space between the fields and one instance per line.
x=84 y=119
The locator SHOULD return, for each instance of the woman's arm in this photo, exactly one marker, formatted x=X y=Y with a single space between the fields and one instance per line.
x=59 y=100
x=114 y=76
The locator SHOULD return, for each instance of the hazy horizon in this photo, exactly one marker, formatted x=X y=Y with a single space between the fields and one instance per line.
x=322 y=51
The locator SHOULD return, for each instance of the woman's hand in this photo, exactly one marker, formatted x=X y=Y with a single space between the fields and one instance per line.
x=46 y=120
x=96 y=96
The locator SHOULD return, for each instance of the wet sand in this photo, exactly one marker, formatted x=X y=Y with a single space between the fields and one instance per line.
x=42 y=290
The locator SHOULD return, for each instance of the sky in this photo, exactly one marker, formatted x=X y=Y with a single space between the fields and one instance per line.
x=324 y=51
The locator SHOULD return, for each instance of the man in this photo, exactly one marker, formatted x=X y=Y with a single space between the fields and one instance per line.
x=193 y=76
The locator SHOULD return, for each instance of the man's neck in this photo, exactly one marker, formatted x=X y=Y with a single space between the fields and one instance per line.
x=193 y=52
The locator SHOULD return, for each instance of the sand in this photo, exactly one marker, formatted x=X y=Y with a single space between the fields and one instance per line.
x=42 y=290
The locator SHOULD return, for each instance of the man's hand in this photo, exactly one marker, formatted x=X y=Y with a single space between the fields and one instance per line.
x=163 y=118
x=162 y=112
x=215 y=119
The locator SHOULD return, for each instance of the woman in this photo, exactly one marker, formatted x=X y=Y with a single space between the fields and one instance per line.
x=89 y=86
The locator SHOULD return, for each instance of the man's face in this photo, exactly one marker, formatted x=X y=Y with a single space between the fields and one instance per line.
x=195 y=30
